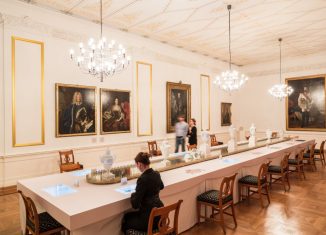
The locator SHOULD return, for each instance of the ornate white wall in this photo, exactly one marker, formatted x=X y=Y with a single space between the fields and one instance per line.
x=59 y=33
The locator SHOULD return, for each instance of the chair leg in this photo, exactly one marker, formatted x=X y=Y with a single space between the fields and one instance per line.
x=302 y=170
x=233 y=214
x=314 y=164
x=267 y=192
x=260 y=197
x=222 y=220
x=239 y=192
x=298 y=169
x=26 y=231
x=198 y=212
x=283 y=181
x=288 y=180
x=270 y=180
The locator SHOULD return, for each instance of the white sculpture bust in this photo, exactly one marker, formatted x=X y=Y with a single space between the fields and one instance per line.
x=252 y=130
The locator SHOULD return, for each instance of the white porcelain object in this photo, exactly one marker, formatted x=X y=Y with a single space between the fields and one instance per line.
x=252 y=139
x=107 y=159
x=165 y=149
x=269 y=136
x=204 y=147
x=232 y=143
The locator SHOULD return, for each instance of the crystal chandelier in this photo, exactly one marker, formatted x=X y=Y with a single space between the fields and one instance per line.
x=101 y=59
x=280 y=90
x=230 y=80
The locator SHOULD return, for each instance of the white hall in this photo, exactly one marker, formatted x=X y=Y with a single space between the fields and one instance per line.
x=91 y=89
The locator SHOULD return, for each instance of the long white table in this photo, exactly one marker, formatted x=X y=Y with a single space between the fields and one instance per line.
x=98 y=209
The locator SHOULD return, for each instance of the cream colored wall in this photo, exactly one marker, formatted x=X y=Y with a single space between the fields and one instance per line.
x=255 y=105
x=61 y=32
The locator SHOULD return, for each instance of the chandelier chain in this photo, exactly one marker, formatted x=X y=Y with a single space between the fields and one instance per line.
x=230 y=56
x=280 y=40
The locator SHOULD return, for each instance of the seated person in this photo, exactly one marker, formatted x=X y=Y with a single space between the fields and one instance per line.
x=145 y=197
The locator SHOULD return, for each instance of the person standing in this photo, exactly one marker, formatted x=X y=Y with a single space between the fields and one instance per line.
x=145 y=198
x=181 y=131
x=305 y=103
x=192 y=132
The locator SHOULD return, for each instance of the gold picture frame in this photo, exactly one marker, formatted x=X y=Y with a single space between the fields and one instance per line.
x=226 y=114
x=305 y=107
x=120 y=126
x=175 y=92
x=84 y=121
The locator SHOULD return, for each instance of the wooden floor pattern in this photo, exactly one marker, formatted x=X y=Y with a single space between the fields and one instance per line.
x=302 y=211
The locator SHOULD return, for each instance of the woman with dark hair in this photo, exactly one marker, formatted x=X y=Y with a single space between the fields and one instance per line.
x=192 y=132
x=145 y=197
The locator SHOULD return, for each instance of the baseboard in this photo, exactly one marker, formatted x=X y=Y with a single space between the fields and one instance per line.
x=8 y=190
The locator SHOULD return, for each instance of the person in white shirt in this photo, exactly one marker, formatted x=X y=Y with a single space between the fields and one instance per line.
x=305 y=103
x=181 y=130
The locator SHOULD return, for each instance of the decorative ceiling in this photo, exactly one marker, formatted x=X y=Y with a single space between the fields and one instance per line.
x=201 y=26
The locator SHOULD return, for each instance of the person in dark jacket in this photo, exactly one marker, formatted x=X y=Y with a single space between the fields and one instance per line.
x=145 y=197
x=192 y=132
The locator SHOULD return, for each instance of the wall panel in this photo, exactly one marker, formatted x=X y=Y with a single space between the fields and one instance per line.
x=27 y=92
x=205 y=97
x=144 y=99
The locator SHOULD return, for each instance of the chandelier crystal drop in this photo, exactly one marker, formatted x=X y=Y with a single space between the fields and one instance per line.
x=280 y=90
x=230 y=80
x=101 y=58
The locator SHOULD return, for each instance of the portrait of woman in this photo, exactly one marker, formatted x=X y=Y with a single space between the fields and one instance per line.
x=75 y=110
x=115 y=111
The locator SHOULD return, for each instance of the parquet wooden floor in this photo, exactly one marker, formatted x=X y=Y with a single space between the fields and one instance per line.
x=302 y=211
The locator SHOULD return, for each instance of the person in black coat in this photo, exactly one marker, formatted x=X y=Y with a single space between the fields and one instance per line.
x=192 y=132
x=145 y=197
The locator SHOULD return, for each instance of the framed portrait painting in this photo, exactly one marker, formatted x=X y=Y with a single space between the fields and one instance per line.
x=115 y=111
x=226 y=114
x=305 y=107
x=178 y=102
x=75 y=110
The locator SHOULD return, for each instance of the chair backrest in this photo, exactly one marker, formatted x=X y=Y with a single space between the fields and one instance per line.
x=152 y=146
x=66 y=157
x=213 y=140
x=262 y=173
x=164 y=226
x=192 y=146
x=312 y=151
x=226 y=188
x=285 y=162
x=31 y=212
x=300 y=155
x=322 y=145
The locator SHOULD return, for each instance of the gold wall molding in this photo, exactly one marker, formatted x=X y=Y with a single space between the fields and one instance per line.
x=150 y=132
x=202 y=77
x=13 y=74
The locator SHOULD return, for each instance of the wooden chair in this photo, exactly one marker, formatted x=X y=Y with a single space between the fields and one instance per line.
x=297 y=164
x=282 y=172
x=309 y=157
x=153 y=149
x=214 y=141
x=219 y=201
x=191 y=146
x=164 y=227
x=320 y=152
x=39 y=224
x=67 y=162
x=258 y=182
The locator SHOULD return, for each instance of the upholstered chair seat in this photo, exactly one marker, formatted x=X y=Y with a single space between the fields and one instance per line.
x=212 y=196
x=251 y=179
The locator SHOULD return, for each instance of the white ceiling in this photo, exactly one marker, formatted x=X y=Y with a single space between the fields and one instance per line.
x=201 y=25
